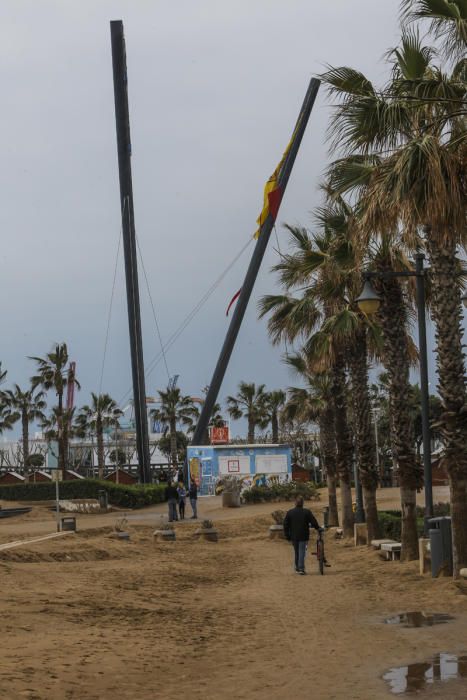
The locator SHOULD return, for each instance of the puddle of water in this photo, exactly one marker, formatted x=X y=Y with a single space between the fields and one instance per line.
x=415 y=677
x=418 y=619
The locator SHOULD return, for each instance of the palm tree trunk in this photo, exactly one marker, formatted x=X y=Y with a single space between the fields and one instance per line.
x=173 y=445
x=251 y=431
x=100 y=449
x=446 y=312
x=344 y=443
x=275 y=427
x=393 y=317
x=25 y=437
x=328 y=452
x=61 y=436
x=366 y=449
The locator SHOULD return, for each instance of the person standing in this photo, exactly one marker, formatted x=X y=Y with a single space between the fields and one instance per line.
x=181 y=499
x=171 y=495
x=193 y=495
x=297 y=523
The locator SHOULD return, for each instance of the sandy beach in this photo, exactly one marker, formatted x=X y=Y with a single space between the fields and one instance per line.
x=87 y=616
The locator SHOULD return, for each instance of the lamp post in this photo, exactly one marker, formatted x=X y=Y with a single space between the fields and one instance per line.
x=368 y=302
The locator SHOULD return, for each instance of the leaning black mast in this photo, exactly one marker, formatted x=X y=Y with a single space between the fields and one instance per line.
x=122 y=119
x=253 y=269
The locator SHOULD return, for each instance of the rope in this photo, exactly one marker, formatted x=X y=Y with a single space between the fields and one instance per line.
x=153 y=309
x=187 y=320
x=278 y=250
x=110 y=308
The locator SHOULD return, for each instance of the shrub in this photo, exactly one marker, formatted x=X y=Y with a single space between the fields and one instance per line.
x=281 y=492
x=122 y=495
x=391 y=524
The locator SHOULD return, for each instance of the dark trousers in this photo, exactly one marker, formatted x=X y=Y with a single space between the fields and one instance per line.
x=172 y=509
x=181 y=508
x=300 y=552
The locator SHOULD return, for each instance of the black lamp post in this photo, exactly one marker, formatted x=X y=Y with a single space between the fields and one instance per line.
x=368 y=302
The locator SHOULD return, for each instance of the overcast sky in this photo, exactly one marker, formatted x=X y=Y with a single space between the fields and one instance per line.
x=215 y=88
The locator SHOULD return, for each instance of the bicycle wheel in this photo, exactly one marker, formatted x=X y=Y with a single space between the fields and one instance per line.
x=320 y=556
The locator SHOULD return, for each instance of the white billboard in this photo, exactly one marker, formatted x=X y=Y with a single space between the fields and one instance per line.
x=271 y=464
x=234 y=465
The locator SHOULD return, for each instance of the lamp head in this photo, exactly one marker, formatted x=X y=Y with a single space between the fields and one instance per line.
x=369 y=300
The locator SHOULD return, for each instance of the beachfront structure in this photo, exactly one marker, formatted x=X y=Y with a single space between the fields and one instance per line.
x=251 y=463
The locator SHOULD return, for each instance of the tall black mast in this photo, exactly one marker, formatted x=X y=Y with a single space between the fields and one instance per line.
x=122 y=119
x=253 y=268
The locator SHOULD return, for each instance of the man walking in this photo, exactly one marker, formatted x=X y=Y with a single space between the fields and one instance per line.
x=297 y=523
x=171 y=495
x=193 y=496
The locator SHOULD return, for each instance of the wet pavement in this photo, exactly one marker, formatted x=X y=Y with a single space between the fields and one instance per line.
x=412 y=678
x=418 y=619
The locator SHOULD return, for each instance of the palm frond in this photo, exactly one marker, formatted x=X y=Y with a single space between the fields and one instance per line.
x=447 y=21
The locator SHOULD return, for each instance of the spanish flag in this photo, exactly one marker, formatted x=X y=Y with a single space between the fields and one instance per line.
x=272 y=191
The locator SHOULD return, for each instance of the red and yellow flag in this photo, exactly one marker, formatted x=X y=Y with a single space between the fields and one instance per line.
x=272 y=192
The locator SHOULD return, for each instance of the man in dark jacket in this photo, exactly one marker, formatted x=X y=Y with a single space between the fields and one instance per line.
x=193 y=496
x=171 y=495
x=297 y=523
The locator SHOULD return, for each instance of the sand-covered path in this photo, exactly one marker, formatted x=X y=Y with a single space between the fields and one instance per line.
x=89 y=617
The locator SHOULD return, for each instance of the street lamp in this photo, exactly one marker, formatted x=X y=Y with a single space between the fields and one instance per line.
x=368 y=302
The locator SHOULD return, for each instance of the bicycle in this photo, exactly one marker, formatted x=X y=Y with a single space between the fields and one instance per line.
x=319 y=554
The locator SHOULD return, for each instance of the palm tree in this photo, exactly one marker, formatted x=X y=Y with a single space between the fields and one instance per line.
x=315 y=403
x=7 y=417
x=102 y=413
x=29 y=405
x=249 y=403
x=447 y=21
x=53 y=373
x=414 y=135
x=322 y=268
x=274 y=402
x=174 y=409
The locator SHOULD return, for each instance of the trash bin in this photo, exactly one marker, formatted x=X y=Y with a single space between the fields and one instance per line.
x=103 y=498
x=69 y=523
x=440 y=546
x=326 y=516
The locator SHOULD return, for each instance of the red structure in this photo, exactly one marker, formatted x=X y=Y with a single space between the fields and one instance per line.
x=219 y=436
x=38 y=476
x=70 y=475
x=120 y=476
x=11 y=478
x=299 y=473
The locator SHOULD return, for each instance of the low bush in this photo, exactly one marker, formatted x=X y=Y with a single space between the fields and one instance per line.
x=281 y=492
x=121 y=495
x=391 y=524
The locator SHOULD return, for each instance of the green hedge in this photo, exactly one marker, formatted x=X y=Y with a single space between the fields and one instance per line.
x=119 y=494
x=391 y=524
x=281 y=492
